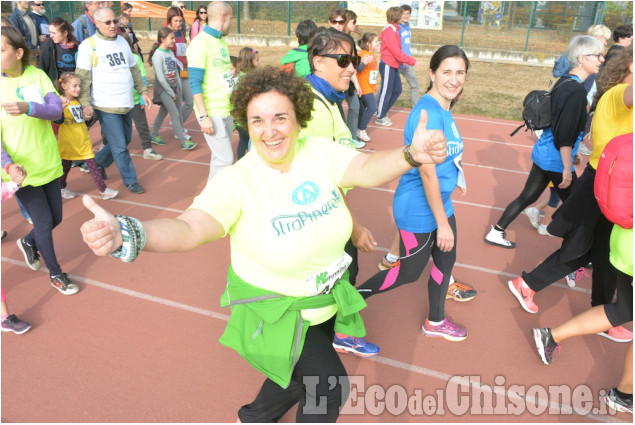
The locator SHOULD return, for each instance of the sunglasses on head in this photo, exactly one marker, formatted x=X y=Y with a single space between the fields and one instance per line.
x=337 y=21
x=343 y=61
x=108 y=23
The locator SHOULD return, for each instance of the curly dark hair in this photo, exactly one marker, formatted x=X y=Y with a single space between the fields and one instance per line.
x=269 y=79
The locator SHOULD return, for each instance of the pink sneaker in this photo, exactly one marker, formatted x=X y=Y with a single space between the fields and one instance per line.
x=525 y=296
x=618 y=334
x=445 y=329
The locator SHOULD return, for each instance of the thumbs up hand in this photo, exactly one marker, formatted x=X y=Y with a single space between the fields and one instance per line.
x=102 y=234
x=428 y=146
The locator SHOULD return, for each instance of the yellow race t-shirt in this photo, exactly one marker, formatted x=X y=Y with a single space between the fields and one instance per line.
x=30 y=141
x=212 y=54
x=285 y=227
x=612 y=118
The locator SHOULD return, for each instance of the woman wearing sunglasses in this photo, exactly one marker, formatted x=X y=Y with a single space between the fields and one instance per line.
x=345 y=21
x=333 y=60
x=287 y=223
x=199 y=21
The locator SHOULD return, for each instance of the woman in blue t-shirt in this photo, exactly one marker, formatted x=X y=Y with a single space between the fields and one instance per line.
x=422 y=206
x=558 y=144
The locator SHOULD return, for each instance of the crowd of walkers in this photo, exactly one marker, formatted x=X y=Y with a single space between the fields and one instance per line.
x=293 y=291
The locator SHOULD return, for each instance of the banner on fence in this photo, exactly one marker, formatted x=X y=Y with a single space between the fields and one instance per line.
x=147 y=9
x=425 y=14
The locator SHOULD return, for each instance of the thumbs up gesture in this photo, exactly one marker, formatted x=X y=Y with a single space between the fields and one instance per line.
x=102 y=234
x=428 y=146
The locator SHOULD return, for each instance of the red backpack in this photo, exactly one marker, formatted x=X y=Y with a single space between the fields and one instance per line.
x=613 y=186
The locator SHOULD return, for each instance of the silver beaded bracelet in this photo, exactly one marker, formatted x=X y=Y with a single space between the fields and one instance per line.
x=134 y=239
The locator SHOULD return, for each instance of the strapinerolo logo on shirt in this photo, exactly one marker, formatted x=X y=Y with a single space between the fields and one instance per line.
x=223 y=52
x=18 y=93
x=454 y=147
x=305 y=194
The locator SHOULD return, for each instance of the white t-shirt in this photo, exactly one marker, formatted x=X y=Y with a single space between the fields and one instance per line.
x=110 y=64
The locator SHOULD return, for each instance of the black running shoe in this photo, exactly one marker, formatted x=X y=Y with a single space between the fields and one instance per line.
x=30 y=254
x=545 y=344
x=63 y=284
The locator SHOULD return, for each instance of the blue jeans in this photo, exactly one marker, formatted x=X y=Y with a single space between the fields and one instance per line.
x=118 y=130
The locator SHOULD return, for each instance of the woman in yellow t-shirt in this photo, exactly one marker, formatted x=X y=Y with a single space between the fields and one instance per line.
x=288 y=225
x=29 y=104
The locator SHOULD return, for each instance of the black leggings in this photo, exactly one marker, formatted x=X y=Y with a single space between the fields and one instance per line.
x=621 y=311
x=537 y=182
x=44 y=205
x=243 y=142
x=319 y=382
x=414 y=251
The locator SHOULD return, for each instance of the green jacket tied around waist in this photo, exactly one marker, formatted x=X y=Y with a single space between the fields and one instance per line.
x=267 y=328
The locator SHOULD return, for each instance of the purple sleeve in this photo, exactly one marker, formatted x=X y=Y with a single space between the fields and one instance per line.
x=5 y=157
x=50 y=110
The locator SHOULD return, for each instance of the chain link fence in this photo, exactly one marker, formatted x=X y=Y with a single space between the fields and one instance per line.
x=542 y=27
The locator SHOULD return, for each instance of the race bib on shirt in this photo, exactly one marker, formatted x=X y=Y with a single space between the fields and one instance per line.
x=180 y=49
x=44 y=29
x=461 y=179
x=228 y=82
x=372 y=77
x=114 y=61
x=323 y=281
x=76 y=112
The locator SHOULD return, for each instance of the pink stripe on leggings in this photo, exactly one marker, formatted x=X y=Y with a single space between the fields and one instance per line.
x=410 y=243
x=436 y=275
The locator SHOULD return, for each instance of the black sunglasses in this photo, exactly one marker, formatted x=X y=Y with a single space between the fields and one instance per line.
x=335 y=21
x=38 y=4
x=107 y=23
x=343 y=61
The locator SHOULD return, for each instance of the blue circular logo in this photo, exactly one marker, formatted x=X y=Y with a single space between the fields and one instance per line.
x=306 y=193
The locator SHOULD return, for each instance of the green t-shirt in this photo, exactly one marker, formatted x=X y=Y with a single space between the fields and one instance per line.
x=212 y=54
x=144 y=74
x=30 y=141
x=326 y=121
x=621 y=252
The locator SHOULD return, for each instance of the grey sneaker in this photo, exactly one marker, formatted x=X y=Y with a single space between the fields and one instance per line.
x=534 y=216
x=68 y=194
x=15 y=325
x=151 y=154
x=542 y=230
x=545 y=344
x=615 y=402
x=109 y=193
x=31 y=256
x=383 y=121
x=63 y=284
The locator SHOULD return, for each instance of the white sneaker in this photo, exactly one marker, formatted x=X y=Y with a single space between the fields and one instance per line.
x=385 y=121
x=361 y=135
x=497 y=237
x=151 y=154
x=359 y=144
x=68 y=194
x=534 y=216
x=109 y=193
x=542 y=230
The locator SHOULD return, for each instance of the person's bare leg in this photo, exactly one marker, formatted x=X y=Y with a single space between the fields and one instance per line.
x=591 y=321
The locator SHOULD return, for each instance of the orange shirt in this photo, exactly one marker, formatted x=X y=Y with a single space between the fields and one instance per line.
x=368 y=77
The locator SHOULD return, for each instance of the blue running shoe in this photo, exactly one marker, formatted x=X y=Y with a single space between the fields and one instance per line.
x=358 y=346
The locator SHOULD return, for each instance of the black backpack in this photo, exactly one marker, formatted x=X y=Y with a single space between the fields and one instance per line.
x=537 y=109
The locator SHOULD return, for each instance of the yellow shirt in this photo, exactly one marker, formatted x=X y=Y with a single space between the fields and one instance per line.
x=73 y=140
x=284 y=227
x=612 y=118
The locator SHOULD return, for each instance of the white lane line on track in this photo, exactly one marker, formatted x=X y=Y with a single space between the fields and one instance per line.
x=564 y=408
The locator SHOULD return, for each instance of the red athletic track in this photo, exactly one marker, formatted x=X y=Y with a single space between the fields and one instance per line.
x=139 y=343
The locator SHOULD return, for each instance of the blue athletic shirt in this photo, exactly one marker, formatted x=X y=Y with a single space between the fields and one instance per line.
x=406 y=37
x=410 y=206
x=546 y=156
